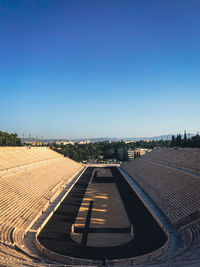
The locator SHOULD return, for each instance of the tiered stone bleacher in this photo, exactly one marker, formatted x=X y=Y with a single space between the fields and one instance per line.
x=12 y=159
x=191 y=246
x=26 y=191
x=172 y=186
x=171 y=177
x=185 y=158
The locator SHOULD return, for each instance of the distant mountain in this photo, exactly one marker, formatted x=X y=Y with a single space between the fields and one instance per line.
x=52 y=140
x=159 y=137
x=103 y=139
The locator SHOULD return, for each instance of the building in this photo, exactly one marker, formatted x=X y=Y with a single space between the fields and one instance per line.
x=84 y=142
x=68 y=143
x=120 y=153
x=130 y=154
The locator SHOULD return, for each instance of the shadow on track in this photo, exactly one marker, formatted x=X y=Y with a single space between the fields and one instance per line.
x=148 y=236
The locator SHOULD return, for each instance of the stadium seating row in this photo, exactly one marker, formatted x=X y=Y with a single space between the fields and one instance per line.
x=191 y=247
x=27 y=190
x=25 y=193
x=175 y=192
x=186 y=158
x=11 y=157
x=171 y=179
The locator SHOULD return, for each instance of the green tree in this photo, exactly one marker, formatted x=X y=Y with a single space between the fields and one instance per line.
x=173 y=142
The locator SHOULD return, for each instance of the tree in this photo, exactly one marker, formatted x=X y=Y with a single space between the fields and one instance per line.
x=173 y=142
x=178 y=140
x=7 y=139
x=185 y=141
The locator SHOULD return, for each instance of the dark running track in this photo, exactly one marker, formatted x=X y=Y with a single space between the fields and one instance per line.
x=148 y=236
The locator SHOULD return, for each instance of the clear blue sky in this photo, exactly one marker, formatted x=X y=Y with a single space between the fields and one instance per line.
x=117 y=68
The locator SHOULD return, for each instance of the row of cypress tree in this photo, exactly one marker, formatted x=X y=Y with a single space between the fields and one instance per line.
x=186 y=140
